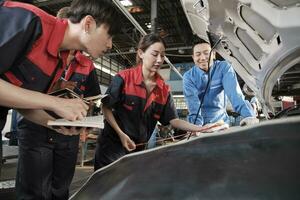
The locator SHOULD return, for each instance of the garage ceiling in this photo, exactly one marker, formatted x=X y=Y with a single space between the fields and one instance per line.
x=172 y=25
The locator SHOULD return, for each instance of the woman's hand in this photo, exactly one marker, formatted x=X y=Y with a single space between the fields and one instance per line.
x=127 y=143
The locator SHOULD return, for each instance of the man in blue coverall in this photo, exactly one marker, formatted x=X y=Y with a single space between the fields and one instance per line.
x=223 y=85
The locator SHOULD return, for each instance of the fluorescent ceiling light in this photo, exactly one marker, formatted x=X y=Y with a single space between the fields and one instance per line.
x=126 y=3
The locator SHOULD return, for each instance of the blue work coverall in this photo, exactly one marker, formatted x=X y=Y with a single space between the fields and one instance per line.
x=223 y=85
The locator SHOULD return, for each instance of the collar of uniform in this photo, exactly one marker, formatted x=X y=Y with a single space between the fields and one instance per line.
x=57 y=37
x=204 y=72
x=82 y=59
x=139 y=77
x=198 y=70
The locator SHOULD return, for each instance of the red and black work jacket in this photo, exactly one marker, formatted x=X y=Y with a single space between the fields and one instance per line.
x=136 y=112
x=82 y=71
x=29 y=46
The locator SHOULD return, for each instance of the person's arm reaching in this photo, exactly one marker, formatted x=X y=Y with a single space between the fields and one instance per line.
x=170 y=116
x=113 y=97
x=186 y=126
x=41 y=117
x=234 y=92
x=237 y=99
x=16 y=97
x=125 y=140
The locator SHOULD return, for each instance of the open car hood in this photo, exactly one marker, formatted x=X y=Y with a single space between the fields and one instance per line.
x=260 y=39
x=258 y=162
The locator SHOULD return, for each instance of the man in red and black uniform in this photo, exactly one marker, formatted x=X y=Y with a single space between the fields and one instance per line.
x=84 y=74
x=56 y=163
x=30 y=42
x=34 y=47
x=135 y=112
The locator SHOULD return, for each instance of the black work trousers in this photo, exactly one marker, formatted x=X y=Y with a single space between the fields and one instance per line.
x=46 y=163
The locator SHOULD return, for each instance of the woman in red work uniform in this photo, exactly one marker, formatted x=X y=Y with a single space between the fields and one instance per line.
x=137 y=98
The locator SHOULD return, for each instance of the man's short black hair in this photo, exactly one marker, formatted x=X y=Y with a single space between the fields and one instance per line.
x=198 y=41
x=103 y=11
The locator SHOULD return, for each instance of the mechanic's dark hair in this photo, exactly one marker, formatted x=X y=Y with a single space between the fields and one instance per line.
x=199 y=41
x=146 y=41
x=103 y=11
